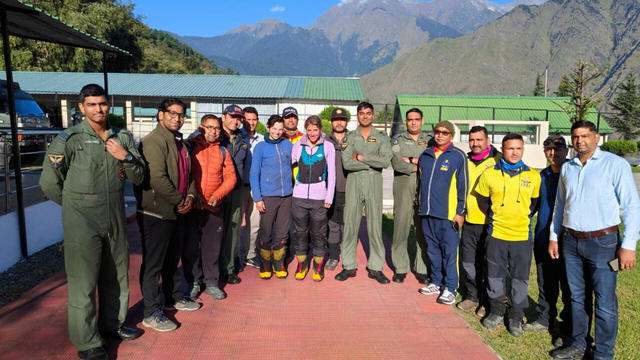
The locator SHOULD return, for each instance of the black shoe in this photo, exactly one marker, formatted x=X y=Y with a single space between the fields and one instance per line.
x=399 y=278
x=345 y=274
x=125 y=333
x=378 y=276
x=422 y=278
x=97 y=353
x=515 y=327
x=569 y=352
x=233 y=279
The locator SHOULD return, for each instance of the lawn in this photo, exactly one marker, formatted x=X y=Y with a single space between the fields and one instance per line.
x=537 y=345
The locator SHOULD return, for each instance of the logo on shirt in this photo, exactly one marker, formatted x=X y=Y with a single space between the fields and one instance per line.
x=371 y=140
x=525 y=182
x=445 y=166
x=422 y=143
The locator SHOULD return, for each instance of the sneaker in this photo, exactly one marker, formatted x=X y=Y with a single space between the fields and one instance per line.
x=332 y=264
x=254 y=262
x=534 y=326
x=466 y=304
x=195 y=291
x=492 y=321
x=157 y=321
x=515 y=327
x=215 y=292
x=431 y=289
x=186 y=304
x=446 y=298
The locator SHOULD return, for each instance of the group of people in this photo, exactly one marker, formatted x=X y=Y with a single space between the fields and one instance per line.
x=227 y=197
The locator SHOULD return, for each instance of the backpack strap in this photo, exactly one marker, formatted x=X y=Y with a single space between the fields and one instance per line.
x=223 y=150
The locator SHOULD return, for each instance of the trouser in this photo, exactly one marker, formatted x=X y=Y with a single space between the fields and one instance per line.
x=552 y=277
x=442 y=248
x=474 y=263
x=249 y=232
x=364 y=189
x=513 y=257
x=404 y=212
x=232 y=207
x=586 y=262
x=336 y=225
x=310 y=222
x=274 y=222
x=96 y=255
x=202 y=247
x=161 y=248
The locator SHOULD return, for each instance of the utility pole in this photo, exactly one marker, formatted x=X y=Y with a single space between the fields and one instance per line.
x=546 y=73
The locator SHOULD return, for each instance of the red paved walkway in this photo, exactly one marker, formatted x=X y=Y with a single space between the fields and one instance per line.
x=275 y=319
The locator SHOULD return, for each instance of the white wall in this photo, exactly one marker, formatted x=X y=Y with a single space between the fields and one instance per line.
x=44 y=228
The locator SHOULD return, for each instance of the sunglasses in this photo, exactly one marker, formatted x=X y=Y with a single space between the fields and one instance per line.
x=441 y=132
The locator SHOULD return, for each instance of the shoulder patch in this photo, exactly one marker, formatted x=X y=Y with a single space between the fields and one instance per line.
x=55 y=160
x=395 y=148
x=64 y=135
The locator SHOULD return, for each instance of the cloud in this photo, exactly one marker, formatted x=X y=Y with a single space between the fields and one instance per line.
x=345 y=2
x=277 y=8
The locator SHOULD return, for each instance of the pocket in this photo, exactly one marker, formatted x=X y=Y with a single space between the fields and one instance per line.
x=608 y=241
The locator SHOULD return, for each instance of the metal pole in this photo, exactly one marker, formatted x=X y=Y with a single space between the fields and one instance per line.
x=104 y=71
x=598 y=124
x=14 y=135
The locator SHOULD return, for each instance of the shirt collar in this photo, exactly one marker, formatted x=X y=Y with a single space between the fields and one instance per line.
x=596 y=155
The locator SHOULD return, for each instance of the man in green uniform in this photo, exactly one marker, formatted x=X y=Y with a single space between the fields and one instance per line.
x=365 y=152
x=84 y=170
x=407 y=148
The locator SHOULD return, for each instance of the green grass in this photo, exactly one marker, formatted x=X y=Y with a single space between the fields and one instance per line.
x=635 y=169
x=538 y=345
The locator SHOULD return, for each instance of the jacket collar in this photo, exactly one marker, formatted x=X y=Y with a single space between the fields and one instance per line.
x=168 y=135
x=304 y=139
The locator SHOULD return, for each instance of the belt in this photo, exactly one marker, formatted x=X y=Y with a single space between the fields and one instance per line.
x=592 y=234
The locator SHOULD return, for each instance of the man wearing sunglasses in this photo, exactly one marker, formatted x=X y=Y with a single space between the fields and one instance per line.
x=444 y=181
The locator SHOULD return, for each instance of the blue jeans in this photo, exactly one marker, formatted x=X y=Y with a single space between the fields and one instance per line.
x=586 y=261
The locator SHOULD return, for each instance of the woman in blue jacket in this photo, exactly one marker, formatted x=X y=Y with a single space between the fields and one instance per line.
x=271 y=189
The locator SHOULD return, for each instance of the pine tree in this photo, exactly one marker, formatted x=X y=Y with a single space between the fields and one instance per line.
x=575 y=85
x=626 y=106
x=538 y=90
x=564 y=86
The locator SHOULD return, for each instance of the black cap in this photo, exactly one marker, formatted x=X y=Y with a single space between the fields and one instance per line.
x=288 y=111
x=338 y=113
x=233 y=110
x=554 y=141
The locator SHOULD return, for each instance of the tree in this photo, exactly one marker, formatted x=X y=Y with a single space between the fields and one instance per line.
x=626 y=107
x=538 y=90
x=563 y=87
x=576 y=85
x=325 y=116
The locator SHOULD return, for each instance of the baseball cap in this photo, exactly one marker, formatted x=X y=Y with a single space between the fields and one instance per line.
x=288 y=111
x=338 y=113
x=233 y=110
x=554 y=141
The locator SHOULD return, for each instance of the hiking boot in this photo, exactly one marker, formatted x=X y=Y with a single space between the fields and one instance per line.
x=345 y=274
x=431 y=289
x=265 y=264
x=466 y=304
x=277 y=262
x=195 y=291
x=492 y=321
x=569 y=352
x=254 y=262
x=534 y=326
x=332 y=264
x=303 y=267
x=481 y=311
x=157 y=321
x=515 y=327
x=185 y=304
x=318 y=268
x=215 y=292
x=446 y=298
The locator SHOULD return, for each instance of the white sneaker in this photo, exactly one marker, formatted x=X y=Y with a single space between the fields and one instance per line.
x=447 y=297
x=431 y=289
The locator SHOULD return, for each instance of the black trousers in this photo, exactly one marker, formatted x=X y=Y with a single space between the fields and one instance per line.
x=275 y=222
x=161 y=249
x=310 y=221
x=200 y=258
x=473 y=254
x=335 y=225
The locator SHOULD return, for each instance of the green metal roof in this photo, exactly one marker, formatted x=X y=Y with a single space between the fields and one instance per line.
x=195 y=85
x=518 y=108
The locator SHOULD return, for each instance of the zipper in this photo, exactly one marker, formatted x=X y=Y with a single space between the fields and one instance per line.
x=435 y=160
x=280 y=167
x=106 y=168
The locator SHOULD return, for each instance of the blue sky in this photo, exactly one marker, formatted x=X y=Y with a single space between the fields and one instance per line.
x=215 y=17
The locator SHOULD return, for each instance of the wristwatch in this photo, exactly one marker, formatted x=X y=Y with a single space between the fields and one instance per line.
x=411 y=160
x=128 y=158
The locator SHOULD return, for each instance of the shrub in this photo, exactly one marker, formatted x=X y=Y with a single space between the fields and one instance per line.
x=261 y=129
x=117 y=120
x=620 y=147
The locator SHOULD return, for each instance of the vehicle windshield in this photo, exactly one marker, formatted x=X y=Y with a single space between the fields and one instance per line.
x=28 y=107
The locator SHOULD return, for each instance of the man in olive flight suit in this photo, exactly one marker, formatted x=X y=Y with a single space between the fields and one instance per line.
x=84 y=170
x=407 y=148
x=365 y=152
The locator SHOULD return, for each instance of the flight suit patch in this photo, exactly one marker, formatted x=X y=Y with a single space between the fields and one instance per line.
x=395 y=148
x=372 y=140
x=244 y=145
x=55 y=160
x=422 y=142
x=344 y=145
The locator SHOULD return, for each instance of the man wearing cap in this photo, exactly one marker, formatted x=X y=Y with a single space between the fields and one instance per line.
x=444 y=182
x=551 y=273
x=474 y=231
x=407 y=147
x=365 y=152
x=237 y=143
x=291 y=132
x=336 y=211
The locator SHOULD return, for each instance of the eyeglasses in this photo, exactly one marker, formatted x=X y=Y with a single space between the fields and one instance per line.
x=441 y=132
x=174 y=114
x=213 y=128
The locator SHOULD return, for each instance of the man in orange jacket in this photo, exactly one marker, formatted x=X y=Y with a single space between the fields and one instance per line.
x=214 y=177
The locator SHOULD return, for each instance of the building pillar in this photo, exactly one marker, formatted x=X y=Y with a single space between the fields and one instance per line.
x=64 y=110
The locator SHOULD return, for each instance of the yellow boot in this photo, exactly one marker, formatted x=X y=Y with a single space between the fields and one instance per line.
x=265 y=264
x=318 y=268
x=303 y=267
x=278 y=262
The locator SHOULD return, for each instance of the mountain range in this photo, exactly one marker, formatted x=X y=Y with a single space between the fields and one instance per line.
x=352 y=38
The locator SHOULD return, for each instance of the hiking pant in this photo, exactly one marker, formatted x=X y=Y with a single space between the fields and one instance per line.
x=310 y=221
x=274 y=222
x=202 y=247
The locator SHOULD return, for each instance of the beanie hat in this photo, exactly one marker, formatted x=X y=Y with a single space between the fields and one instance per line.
x=448 y=125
